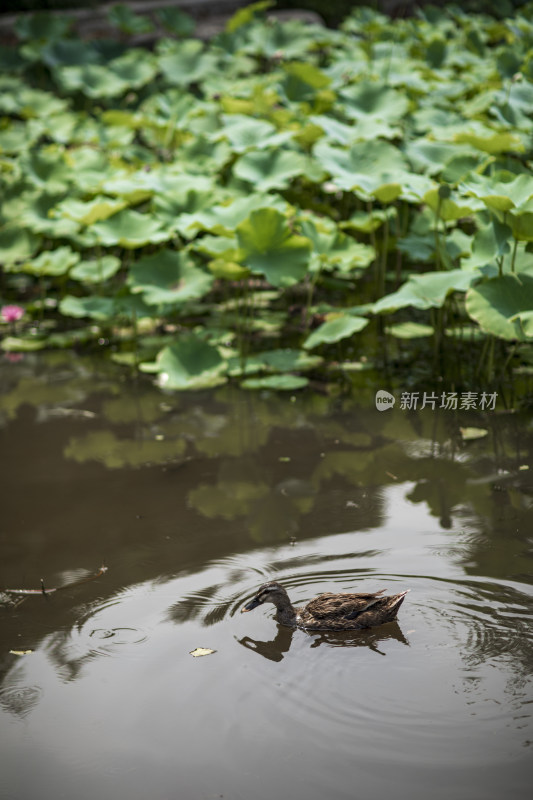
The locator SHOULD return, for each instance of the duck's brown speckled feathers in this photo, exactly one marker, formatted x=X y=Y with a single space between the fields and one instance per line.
x=330 y=611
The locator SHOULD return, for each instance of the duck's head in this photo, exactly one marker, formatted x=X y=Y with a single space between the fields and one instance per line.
x=268 y=593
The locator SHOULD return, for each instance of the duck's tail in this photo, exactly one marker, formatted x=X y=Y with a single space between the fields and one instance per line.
x=396 y=600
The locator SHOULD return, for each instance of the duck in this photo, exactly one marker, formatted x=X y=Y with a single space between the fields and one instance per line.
x=343 y=611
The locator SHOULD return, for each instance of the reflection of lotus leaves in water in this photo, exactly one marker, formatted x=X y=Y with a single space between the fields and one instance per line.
x=19 y=700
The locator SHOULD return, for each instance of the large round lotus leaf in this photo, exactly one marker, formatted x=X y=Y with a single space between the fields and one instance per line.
x=88 y=212
x=428 y=290
x=269 y=247
x=333 y=249
x=190 y=363
x=168 y=277
x=130 y=229
x=500 y=195
x=335 y=329
x=223 y=219
x=270 y=169
x=282 y=360
x=502 y=306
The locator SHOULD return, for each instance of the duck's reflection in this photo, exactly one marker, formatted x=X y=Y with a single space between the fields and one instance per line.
x=369 y=637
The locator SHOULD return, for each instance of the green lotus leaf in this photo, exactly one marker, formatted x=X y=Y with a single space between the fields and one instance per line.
x=453 y=207
x=190 y=363
x=135 y=68
x=502 y=306
x=490 y=243
x=176 y=21
x=41 y=26
x=19 y=344
x=431 y=157
x=95 y=270
x=374 y=100
x=130 y=229
x=490 y=141
x=246 y=133
x=270 y=169
x=333 y=249
x=128 y=21
x=93 y=80
x=88 y=212
x=282 y=360
x=16 y=244
x=183 y=63
x=428 y=290
x=500 y=195
x=337 y=132
x=333 y=330
x=279 y=383
x=37 y=216
x=223 y=219
x=246 y=15
x=522 y=225
x=16 y=137
x=47 y=168
x=52 y=262
x=98 y=308
x=168 y=277
x=227 y=270
x=410 y=330
x=270 y=248
x=368 y=165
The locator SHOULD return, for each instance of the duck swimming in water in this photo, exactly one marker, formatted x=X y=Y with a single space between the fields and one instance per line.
x=330 y=612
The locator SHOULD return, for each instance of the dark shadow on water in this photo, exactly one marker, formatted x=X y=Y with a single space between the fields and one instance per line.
x=276 y=649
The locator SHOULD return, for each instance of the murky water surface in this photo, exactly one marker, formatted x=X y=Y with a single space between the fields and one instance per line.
x=191 y=502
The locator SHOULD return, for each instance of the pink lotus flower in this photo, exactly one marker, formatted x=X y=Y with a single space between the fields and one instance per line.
x=11 y=313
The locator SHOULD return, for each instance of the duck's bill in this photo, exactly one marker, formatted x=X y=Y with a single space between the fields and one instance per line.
x=251 y=605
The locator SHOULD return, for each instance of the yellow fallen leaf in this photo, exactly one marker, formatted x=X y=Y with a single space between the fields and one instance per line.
x=20 y=652
x=473 y=433
x=201 y=651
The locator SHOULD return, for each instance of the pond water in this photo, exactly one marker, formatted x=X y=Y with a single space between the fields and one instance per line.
x=191 y=502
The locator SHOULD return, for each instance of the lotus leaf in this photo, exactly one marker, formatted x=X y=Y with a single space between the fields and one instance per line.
x=98 y=308
x=270 y=248
x=502 y=306
x=426 y=291
x=340 y=327
x=95 y=270
x=130 y=229
x=366 y=165
x=88 y=212
x=335 y=250
x=16 y=244
x=410 y=330
x=52 y=262
x=183 y=63
x=190 y=363
x=270 y=169
x=168 y=277
x=500 y=195
x=284 y=383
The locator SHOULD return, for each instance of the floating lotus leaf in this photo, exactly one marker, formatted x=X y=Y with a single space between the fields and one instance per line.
x=279 y=383
x=502 y=306
x=428 y=290
x=270 y=169
x=168 y=277
x=270 y=248
x=52 y=262
x=282 y=360
x=190 y=363
x=340 y=327
x=130 y=229
x=95 y=270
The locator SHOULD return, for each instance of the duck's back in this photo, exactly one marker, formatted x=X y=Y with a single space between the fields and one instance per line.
x=348 y=611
